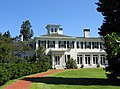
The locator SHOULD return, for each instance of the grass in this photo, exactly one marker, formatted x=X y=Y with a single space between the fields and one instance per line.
x=87 y=78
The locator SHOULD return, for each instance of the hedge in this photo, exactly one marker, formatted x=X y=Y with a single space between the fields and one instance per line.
x=15 y=70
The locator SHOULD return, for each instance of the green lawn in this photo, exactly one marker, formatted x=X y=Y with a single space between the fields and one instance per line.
x=86 y=78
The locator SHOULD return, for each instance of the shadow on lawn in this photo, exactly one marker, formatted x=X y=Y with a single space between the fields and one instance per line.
x=73 y=81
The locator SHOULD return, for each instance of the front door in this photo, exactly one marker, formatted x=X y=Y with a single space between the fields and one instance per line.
x=87 y=59
x=57 y=60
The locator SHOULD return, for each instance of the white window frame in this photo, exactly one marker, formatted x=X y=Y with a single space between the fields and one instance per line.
x=102 y=59
x=57 y=60
x=87 y=59
x=79 y=59
x=95 y=59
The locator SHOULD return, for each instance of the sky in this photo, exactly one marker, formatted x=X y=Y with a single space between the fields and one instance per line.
x=72 y=15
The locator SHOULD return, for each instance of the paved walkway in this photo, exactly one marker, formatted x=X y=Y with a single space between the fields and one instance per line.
x=22 y=84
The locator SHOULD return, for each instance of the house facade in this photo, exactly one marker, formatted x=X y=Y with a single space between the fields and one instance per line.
x=87 y=51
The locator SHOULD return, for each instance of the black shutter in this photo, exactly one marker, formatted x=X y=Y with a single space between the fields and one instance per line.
x=64 y=44
x=93 y=45
x=67 y=44
x=97 y=45
x=81 y=45
x=77 y=44
x=72 y=44
x=54 y=43
x=38 y=43
x=48 y=44
x=45 y=43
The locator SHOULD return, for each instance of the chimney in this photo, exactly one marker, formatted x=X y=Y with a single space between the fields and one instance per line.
x=87 y=33
x=21 y=37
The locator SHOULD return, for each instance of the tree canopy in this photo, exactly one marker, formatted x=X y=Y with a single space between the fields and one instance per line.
x=110 y=9
x=110 y=31
x=6 y=46
x=26 y=30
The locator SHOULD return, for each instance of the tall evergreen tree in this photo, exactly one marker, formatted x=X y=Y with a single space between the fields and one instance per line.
x=26 y=30
x=110 y=9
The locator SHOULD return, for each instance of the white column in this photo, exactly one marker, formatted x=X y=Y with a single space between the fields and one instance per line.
x=46 y=43
x=61 y=61
x=91 y=59
x=53 y=60
x=37 y=44
x=99 y=59
x=83 y=57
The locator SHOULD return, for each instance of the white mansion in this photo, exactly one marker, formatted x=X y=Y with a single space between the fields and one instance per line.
x=87 y=51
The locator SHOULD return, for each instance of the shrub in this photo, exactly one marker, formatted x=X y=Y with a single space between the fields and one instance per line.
x=15 y=70
x=71 y=64
x=82 y=66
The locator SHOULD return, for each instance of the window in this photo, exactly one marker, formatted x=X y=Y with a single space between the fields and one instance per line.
x=57 y=60
x=67 y=57
x=55 y=29
x=79 y=59
x=51 y=29
x=51 y=44
x=95 y=59
x=70 y=44
x=62 y=44
x=102 y=57
x=80 y=45
x=42 y=44
x=95 y=45
x=87 y=59
x=101 y=45
x=87 y=45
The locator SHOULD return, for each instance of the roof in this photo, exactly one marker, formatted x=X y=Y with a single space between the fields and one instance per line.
x=55 y=35
x=53 y=25
x=68 y=37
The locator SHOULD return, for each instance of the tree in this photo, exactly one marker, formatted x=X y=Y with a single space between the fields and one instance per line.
x=110 y=9
x=109 y=31
x=6 y=34
x=6 y=46
x=42 y=59
x=113 y=43
x=41 y=55
x=26 y=30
